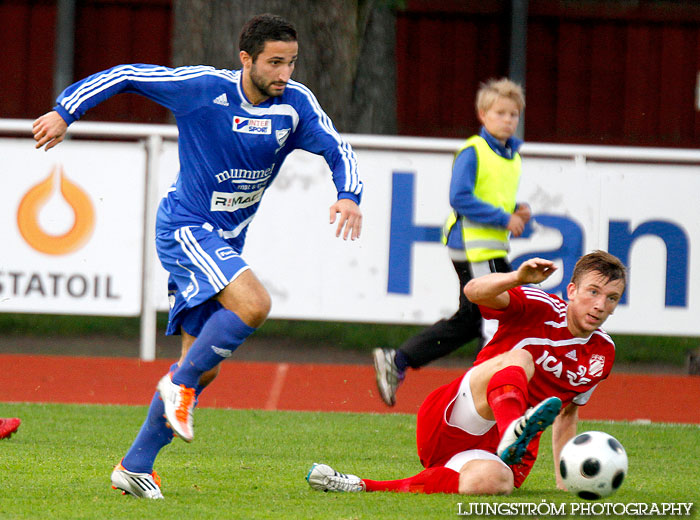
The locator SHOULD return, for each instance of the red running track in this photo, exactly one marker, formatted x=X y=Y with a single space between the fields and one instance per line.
x=312 y=387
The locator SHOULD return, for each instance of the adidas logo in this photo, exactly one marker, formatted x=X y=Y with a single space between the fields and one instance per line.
x=221 y=100
x=572 y=355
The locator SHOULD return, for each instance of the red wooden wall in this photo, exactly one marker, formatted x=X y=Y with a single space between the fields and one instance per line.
x=621 y=73
x=597 y=72
x=111 y=32
x=443 y=51
x=618 y=75
x=107 y=33
x=26 y=60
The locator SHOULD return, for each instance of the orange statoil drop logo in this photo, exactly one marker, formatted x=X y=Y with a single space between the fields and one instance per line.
x=37 y=197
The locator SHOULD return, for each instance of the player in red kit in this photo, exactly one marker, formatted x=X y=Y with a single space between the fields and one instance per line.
x=480 y=434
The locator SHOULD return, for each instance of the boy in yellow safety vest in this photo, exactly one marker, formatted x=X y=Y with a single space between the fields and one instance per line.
x=485 y=178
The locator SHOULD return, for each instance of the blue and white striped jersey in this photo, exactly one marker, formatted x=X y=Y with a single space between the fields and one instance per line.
x=230 y=150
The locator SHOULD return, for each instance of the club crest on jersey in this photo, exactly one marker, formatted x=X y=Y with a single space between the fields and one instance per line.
x=246 y=125
x=597 y=363
x=282 y=135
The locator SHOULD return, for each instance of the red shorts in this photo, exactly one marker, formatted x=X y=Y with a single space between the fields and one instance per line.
x=438 y=441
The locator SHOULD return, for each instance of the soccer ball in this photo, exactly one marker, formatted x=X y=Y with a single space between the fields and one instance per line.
x=593 y=465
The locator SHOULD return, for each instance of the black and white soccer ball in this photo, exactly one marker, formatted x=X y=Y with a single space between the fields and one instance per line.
x=593 y=465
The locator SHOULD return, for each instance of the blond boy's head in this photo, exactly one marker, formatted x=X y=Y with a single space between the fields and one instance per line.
x=493 y=89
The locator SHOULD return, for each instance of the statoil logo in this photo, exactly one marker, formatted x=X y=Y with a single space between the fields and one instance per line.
x=55 y=188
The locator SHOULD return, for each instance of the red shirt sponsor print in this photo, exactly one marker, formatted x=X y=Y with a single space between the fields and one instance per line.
x=565 y=366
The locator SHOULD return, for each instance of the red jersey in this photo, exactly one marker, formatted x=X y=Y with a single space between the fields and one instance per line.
x=567 y=367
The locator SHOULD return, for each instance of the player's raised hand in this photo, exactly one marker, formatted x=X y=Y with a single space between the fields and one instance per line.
x=350 y=218
x=49 y=130
x=535 y=270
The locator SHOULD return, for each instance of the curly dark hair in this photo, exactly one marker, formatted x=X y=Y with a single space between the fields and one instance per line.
x=264 y=28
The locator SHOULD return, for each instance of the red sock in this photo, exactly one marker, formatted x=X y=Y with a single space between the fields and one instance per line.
x=507 y=393
x=431 y=480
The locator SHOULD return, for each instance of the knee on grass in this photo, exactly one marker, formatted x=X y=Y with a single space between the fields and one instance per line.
x=485 y=477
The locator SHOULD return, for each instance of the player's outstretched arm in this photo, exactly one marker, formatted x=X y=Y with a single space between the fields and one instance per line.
x=350 y=218
x=49 y=130
x=492 y=290
x=563 y=429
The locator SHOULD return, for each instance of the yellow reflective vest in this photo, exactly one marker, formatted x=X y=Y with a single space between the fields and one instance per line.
x=497 y=180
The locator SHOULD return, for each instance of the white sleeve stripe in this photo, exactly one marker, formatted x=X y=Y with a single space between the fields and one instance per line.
x=605 y=336
x=556 y=325
x=136 y=77
x=99 y=84
x=556 y=307
x=532 y=291
x=122 y=69
x=550 y=342
x=343 y=147
x=352 y=183
x=354 y=178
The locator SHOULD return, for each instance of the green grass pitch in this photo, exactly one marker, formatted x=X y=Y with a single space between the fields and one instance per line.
x=252 y=464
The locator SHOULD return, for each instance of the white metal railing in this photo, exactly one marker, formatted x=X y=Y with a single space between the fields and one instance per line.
x=88 y=128
x=152 y=137
x=623 y=153
x=369 y=142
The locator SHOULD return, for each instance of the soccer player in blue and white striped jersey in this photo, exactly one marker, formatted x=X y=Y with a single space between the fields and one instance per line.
x=235 y=130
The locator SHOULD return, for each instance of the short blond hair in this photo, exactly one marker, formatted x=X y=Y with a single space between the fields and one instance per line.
x=495 y=88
